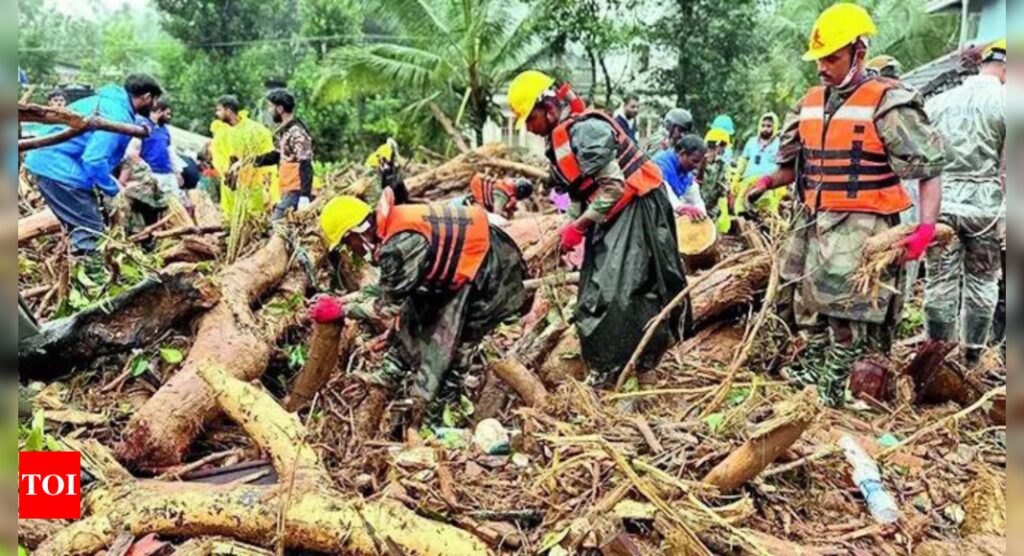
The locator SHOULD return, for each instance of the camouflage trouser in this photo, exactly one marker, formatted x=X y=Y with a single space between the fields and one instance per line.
x=837 y=324
x=963 y=277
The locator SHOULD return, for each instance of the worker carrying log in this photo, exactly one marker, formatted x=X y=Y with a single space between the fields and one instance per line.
x=972 y=120
x=497 y=196
x=631 y=269
x=848 y=143
x=447 y=275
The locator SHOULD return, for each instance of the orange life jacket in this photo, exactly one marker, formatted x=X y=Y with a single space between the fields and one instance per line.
x=459 y=238
x=642 y=175
x=483 y=189
x=289 y=176
x=846 y=166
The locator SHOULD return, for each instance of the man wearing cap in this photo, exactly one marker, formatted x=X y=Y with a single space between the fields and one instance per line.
x=963 y=276
x=448 y=276
x=676 y=123
x=631 y=268
x=848 y=144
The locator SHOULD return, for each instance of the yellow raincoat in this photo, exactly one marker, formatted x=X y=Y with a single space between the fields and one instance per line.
x=244 y=141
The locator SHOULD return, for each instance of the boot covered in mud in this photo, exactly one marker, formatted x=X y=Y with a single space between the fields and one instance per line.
x=835 y=373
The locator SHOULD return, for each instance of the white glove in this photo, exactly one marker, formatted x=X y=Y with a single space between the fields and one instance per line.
x=303 y=203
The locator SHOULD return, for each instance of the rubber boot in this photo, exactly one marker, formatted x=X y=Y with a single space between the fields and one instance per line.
x=806 y=370
x=972 y=357
x=832 y=381
x=945 y=331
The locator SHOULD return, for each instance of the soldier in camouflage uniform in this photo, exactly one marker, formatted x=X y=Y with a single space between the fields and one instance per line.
x=882 y=131
x=146 y=199
x=447 y=276
x=963 y=277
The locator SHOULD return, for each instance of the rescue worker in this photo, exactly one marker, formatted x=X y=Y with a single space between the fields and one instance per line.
x=158 y=152
x=678 y=168
x=714 y=178
x=724 y=122
x=497 y=196
x=237 y=141
x=384 y=161
x=963 y=277
x=883 y=66
x=676 y=123
x=631 y=268
x=848 y=143
x=447 y=275
x=293 y=154
x=756 y=160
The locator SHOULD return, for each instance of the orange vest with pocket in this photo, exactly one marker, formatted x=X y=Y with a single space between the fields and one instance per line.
x=289 y=177
x=483 y=189
x=642 y=175
x=459 y=238
x=845 y=163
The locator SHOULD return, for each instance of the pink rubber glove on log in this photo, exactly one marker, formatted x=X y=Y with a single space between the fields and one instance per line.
x=693 y=213
x=916 y=244
x=571 y=237
x=327 y=309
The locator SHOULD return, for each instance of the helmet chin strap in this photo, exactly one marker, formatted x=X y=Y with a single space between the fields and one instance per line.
x=859 y=45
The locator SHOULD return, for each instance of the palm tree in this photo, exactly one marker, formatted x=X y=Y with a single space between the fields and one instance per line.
x=455 y=53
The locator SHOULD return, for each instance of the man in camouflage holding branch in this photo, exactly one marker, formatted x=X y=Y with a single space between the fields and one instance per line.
x=972 y=120
x=848 y=144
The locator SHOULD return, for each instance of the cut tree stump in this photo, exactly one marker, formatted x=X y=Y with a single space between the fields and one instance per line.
x=132 y=319
x=769 y=441
x=304 y=512
x=229 y=335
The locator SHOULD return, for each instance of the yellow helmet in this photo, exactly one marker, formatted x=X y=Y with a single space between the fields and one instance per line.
x=836 y=27
x=717 y=135
x=995 y=52
x=524 y=91
x=340 y=216
x=383 y=152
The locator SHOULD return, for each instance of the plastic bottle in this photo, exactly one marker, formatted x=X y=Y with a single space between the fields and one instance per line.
x=866 y=476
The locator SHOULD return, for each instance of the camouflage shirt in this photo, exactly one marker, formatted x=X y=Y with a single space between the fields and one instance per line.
x=915 y=147
x=972 y=120
x=294 y=142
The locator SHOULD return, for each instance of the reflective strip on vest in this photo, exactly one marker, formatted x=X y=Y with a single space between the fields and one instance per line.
x=846 y=166
x=458 y=238
x=641 y=174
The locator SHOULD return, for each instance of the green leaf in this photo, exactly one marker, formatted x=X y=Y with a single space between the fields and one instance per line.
x=738 y=396
x=77 y=300
x=714 y=421
x=36 y=433
x=22 y=551
x=172 y=355
x=140 y=366
x=449 y=417
x=466 y=406
x=84 y=279
x=631 y=385
x=297 y=357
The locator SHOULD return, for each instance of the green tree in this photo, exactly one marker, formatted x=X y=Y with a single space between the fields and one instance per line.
x=598 y=27
x=455 y=53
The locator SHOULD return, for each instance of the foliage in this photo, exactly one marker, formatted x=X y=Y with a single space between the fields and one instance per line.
x=228 y=27
x=456 y=53
x=598 y=27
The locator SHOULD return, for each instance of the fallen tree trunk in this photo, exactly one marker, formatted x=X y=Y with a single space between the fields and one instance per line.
x=457 y=172
x=132 y=319
x=728 y=288
x=39 y=224
x=306 y=513
x=770 y=441
x=227 y=335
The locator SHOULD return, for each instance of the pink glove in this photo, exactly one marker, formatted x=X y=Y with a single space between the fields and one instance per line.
x=917 y=243
x=327 y=309
x=756 y=190
x=571 y=237
x=692 y=212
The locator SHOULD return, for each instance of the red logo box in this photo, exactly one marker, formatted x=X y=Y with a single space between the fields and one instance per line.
x=49 y=485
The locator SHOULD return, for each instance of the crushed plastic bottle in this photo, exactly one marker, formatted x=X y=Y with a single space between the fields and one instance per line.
x=867 y=478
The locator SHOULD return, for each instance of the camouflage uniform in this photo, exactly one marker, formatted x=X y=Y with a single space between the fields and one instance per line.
x=437 y=330
x=965 y=274
x=823 y=250
x=714 y=184
x=145 y=197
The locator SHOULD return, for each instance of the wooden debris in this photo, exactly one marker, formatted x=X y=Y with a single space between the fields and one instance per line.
x=36 y=225
x=325 y=349
x=770 y=441
x=524 y=382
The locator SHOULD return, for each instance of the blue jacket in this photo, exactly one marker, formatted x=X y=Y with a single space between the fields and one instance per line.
x=670 y=172
x=87 y=160
x=156 y=148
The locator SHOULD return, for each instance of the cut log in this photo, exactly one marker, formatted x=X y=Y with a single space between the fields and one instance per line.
x=564 y=361
x=934 y=381
x=457 y=172
x=524 y=382
x=227 y=335
x=326 y=347
x=884 y=250
x=36 y=225
x=132 y=319
x=729 y=288
x=306 y=513
x=768 y=442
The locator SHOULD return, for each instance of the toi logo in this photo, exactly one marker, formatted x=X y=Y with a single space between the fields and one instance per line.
x=49 y=485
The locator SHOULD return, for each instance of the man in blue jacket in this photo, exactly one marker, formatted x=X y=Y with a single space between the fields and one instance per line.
x=69 y=173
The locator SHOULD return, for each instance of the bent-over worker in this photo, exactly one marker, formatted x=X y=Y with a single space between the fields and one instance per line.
x=497 y=196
